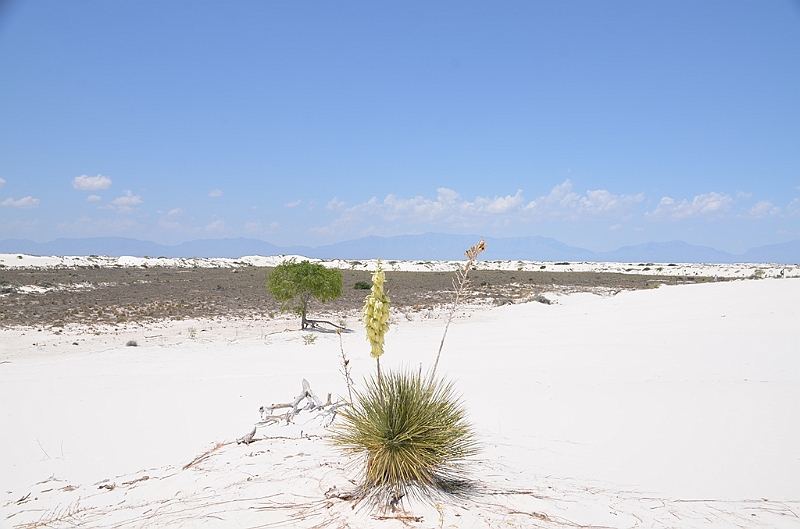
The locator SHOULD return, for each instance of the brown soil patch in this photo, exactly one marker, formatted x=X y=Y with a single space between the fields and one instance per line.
x=118 y=295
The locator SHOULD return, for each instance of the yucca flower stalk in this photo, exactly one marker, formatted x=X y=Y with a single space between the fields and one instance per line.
x=459 y=284
x=376 y=315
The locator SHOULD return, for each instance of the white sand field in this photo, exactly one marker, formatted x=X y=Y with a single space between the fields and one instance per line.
x=742 y=270
x=672 y=407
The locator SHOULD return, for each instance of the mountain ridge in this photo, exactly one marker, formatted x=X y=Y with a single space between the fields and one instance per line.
x=428 y=246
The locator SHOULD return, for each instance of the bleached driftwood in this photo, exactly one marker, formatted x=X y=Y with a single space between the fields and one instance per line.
x=306 y=323
x=247 y=439
x=312 y=403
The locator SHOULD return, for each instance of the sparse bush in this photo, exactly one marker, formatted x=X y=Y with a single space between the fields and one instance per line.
x=293 y=284
x=412 y=432
x=539 y=298
x=362 y=285
x=309 y=339
x=131 y=343
x=192 y=332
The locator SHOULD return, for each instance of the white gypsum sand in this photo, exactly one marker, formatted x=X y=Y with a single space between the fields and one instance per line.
x=739 y=271
x=672 y=407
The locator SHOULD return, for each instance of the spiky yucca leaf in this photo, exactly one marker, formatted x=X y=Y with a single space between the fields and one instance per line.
x=413 y=432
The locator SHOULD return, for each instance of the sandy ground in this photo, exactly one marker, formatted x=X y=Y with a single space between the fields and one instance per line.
x=669 y=407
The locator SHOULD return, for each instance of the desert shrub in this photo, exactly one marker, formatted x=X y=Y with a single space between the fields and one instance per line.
x=541 y=299
x=309 y=339
x=412 y=431
x=362 y=285
x=293 y=285
x=131 y=343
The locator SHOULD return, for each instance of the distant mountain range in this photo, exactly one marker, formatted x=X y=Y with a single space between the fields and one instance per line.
x=430 y=246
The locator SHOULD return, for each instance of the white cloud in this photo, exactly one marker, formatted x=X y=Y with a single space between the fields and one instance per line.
x=175 y=212
x=764 y=208
x=293 y=204
x=94 y=198
x=217 y=226
x=615 y=227
x=128 y=199
x=451 y=210
x=498 y=205
x=793 y=208
x=23 y=203
x=563 y=203
x=743 y=194
x=2 y=182
x=709 y=205
x=124 y=204
x=336 y=204
x=214 y=193
x=91 y=183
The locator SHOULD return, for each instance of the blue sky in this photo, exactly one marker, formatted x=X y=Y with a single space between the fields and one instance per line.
x=600 y=124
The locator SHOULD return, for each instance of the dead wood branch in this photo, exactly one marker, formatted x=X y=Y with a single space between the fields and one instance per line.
x=247 y=439
x=205 y=455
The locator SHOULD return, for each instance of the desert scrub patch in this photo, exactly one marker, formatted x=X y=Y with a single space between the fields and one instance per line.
x=131 y=343
x=362 y=285
x=309 y=339
x=540 y=298
x=412 y=432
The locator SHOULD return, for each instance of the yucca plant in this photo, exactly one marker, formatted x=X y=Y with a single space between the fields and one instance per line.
x=410 y=428
x=413 y=433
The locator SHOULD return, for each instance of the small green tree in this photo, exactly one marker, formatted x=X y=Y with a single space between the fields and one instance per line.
x=293 y=285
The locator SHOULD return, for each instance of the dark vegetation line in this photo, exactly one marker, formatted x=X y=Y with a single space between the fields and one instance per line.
x=118 y=295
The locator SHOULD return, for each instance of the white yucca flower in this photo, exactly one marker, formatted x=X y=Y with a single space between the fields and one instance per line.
x=376 y=313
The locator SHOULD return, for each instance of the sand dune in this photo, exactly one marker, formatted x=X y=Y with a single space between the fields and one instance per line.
x=672 y=407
